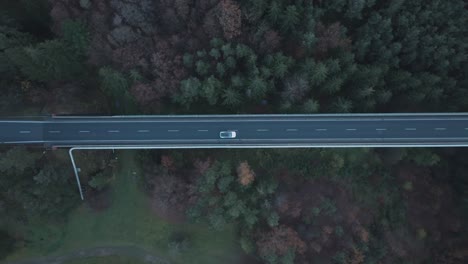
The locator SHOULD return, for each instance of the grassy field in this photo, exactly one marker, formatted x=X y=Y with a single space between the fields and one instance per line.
x=109 y=259
x=128 y=221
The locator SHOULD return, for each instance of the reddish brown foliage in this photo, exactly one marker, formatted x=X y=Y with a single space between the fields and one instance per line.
x=230 y=18
x=182 y=8
x=245 y=174
x=270 y=42
x=167 y=162
x=290 y=207
x=201 y=166
x=144 y=93
x=329 y=37
x=132 y=55
x=279 y=240
x=167 y=69
x=357 y=257
x=211 y=25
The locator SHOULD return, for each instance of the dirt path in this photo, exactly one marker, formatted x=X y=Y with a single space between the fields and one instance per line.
x=128 y=251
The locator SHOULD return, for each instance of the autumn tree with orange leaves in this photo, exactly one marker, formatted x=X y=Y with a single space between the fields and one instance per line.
x=230 y=18
x=245 y=174
x=280 y=241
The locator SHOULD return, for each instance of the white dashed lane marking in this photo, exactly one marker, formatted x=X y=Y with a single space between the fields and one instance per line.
x=143 y=131
x=262 y=130
x=54 y=131
x=25 y=132
x=351 y=129
x=84 y=131
x=321 y=129
x=291 y=129
x=202 y=130
x=410 y=128
x=380 y=129
x=173 y=130
x=440 y=128
x=113 y=131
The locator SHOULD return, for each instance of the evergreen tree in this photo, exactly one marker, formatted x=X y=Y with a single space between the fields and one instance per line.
x=280 y=65
x=231 y=97
x=210 y=89
x=7 y=243
x=257 y=87
x=113 y=83
x=189 y=92
x=202 y=68
x=332 y=86
x=310 y=106
x=76 y=36
x=290 y=18
x=275 y=11
x=341 y=105
x=49 y=60
x=215 y=53
x=318 y=74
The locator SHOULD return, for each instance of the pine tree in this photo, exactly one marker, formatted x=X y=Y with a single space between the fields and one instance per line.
x=342 y=105
x=332 y=86
x=290 y=18
x=220 y=69
x=216 y=43
x=319 y=74
x=231 y=97
x=237 y=81
x=57 y=59
x=243 y=51
x=215 y=53
x=76 y=36
x=274 y=12
x=280 y=65
x=257 y=87
x=202 y=68
x=188 y=60
x=49 y=60
x=189 y=91
x=310 y=106
x=210 y=89
x=113 y=83
x=231 y=62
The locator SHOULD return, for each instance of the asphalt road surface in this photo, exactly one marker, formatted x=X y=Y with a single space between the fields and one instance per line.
x=353 y=130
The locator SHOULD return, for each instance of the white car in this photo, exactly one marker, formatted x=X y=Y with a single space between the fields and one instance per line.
x=227 y=134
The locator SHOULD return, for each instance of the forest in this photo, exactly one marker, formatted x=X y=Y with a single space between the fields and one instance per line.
x=343 y=206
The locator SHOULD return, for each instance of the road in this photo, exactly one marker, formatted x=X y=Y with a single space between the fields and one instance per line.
x=350 y=130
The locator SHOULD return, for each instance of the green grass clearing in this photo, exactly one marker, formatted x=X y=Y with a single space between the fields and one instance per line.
x=129 y=221
x=108 y=259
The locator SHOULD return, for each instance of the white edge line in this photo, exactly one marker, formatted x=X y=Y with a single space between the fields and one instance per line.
x=269 y=146
x=246 y=140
